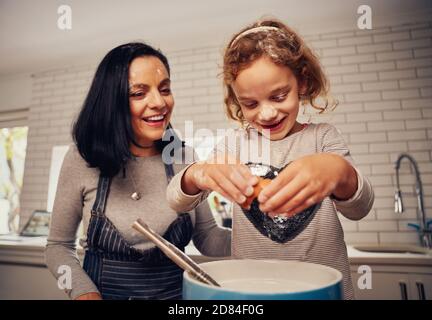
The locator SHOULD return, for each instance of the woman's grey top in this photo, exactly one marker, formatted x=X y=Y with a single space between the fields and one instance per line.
x=76 y=192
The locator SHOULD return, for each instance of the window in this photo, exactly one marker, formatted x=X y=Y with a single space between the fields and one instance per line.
x=13 y=144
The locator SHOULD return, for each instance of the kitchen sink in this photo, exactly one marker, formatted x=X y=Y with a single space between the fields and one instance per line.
x=391 y=248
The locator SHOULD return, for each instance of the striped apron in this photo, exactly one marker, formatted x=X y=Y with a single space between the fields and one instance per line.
x=122 y=272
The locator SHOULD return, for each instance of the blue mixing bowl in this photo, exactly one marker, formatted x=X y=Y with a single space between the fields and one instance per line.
x=265 y=280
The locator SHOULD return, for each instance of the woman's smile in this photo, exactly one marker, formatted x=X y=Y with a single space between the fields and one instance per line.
x=156 y=120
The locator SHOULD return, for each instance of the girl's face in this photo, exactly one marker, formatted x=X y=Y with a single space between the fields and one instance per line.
x=269 y=98
x=150 y=99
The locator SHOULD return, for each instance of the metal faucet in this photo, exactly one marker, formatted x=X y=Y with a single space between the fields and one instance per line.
x=423 y=229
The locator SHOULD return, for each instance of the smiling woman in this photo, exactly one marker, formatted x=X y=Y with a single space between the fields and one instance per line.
x=111 y=177
x=108 y=132
x=151 y=102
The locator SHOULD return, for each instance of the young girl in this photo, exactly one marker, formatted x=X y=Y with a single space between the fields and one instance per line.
x=268 y=72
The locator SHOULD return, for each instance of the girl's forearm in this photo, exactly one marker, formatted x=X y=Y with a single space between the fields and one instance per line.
x=347 y=186
x=188 y=183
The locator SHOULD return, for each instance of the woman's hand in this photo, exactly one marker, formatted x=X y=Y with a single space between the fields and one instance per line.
x=233 y=181
x=89 y=296
x=307 y=181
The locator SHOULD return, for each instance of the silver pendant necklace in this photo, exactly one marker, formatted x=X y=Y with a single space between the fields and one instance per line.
x=135 y=196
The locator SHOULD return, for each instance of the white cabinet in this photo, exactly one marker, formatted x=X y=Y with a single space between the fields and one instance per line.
x=389 y=283
x=421 y=286
x=23 y=282
x=23 y=274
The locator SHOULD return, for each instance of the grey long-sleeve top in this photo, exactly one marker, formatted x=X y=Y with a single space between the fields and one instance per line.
x=76 y=192
x=322 y=241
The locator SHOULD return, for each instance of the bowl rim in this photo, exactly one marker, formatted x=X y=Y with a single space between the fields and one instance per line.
x=339 y=278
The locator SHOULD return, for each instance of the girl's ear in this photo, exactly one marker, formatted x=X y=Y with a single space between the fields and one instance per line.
x=302 y=88
x=302 y=82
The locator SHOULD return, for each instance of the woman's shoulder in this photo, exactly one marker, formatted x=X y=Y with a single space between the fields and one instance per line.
x=73 y=156
x=74 y=162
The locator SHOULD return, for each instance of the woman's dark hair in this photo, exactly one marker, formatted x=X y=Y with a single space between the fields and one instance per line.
x=103 y=131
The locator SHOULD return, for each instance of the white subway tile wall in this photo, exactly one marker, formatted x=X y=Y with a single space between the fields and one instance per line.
x=382 y=79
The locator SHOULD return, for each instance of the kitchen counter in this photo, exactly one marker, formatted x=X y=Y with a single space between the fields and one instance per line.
x=31 y=251
x=27 y=251
x=357 y=257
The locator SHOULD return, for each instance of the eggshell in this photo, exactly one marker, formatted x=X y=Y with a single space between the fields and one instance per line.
x=262 y=183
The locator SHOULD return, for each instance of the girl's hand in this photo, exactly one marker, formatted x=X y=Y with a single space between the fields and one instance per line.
x=233 y=181
x=307 y=181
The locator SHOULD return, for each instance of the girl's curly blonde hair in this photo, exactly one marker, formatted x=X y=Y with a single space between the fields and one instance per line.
x=284 y=47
